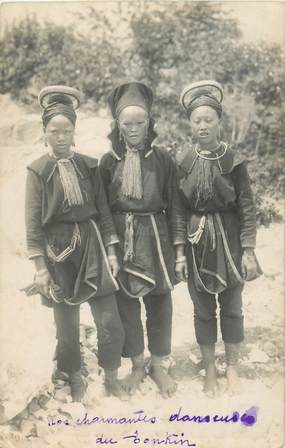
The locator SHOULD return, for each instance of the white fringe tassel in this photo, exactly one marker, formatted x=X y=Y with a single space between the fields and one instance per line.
x=132 y=177
x=69 y=180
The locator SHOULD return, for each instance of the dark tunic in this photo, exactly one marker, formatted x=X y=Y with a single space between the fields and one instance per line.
x=220 y=226
x=149 y=227
x=71 y=238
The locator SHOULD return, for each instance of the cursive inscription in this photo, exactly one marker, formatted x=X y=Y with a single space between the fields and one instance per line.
x=247 y=418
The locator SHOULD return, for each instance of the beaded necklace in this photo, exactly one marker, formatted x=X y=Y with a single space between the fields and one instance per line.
x=212 y=158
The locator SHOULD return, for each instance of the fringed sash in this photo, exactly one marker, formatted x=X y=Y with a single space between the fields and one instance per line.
x=70 y=184
x=132 y=176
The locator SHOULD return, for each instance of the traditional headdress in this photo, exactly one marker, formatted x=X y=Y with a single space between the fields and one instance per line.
x=59 y=100
x=63 y=100
x=125 y=95
x=130 y=94
x=202 y=93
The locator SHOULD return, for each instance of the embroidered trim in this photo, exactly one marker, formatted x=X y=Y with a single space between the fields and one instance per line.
x=75 y=241
x=195 y=237
x=220 y=166
x=114 y=153
x=51 y=173
x=198 y=275
x=138 y=274
x=160 y=254
x=76 y=168
x=36 y=254
x=148 y=154
x=126 y=291
x=228 y=254
x=193 y=163
x=227 y=249
x=113 y=240
x=104 y=253
x=53 y=296
x=214 y=274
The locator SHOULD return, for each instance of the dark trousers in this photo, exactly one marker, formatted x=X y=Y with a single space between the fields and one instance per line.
x=158 y=324
x=110 y=334
x=205 y=320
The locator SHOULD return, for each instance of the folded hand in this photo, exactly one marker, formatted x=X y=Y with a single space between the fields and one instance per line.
x=249 y=266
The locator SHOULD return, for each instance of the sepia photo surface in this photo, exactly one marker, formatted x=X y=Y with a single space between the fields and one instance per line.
x=95 y=46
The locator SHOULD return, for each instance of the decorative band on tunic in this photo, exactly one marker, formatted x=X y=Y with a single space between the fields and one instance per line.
x=214 y=267
x=81 y=270
x=221 y=217
x=145 y=258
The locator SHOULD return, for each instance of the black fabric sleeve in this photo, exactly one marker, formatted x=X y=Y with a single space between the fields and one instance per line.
x=33 y=208
x=246 y=206
x=106 y=221
x=175 y=210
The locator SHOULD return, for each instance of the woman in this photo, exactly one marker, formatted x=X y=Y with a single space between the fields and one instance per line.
x=142 y=193
x=221 y=230
x=68 y=222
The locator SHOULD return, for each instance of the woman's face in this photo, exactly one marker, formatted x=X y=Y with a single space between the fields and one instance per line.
x=205 y=125
x=59 y=134
x=133 y=124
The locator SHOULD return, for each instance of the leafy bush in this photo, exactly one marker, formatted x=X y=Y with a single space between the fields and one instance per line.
x=33 y=55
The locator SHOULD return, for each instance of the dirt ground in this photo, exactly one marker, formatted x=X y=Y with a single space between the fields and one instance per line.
x=27 y=338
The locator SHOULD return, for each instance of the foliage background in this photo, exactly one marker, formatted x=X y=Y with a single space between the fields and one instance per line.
x=166 y=45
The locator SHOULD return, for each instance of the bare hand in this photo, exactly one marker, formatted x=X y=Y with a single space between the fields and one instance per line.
x=42 y=282
x=181 y=271
x=249 y=266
